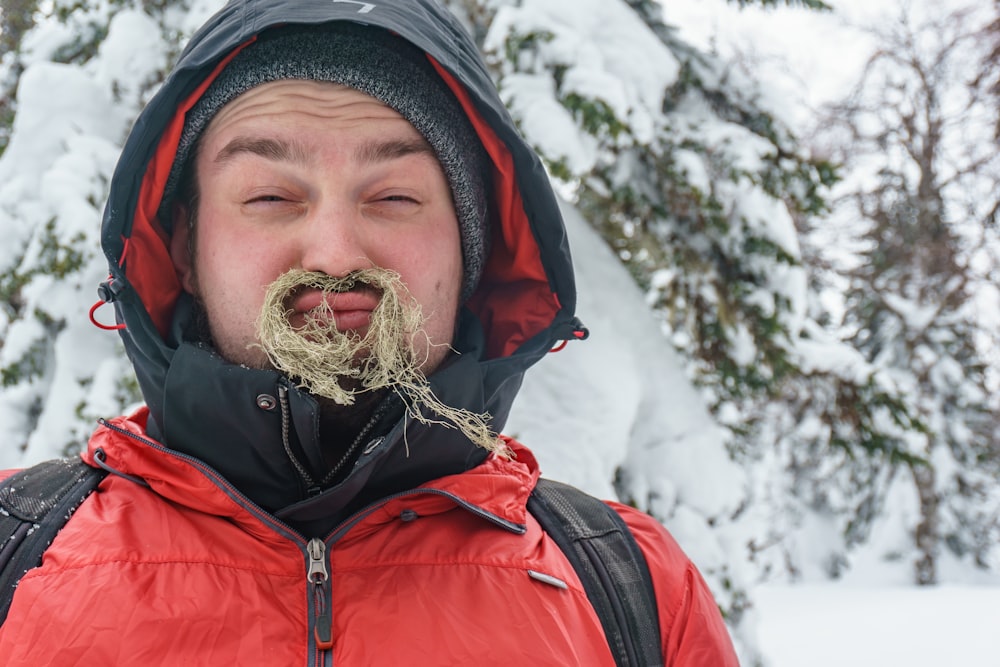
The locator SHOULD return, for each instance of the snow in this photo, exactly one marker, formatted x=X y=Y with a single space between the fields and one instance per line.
x=831 y=625
x=607 y=54
x=617 y=406
x=120 y=65
x=602 y=47
x=599 y=403
x=548 y=123
x=807 y=58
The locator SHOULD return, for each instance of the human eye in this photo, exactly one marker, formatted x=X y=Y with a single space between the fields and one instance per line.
x=400 y=198
x=265 y=199
x=395 y=202
x=271 y=204
x=268 y=197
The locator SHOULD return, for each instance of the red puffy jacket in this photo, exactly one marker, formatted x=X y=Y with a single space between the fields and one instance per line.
x=185 y=571
x=171 y=563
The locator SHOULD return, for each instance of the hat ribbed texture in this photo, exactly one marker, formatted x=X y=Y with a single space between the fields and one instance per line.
x=378 y=64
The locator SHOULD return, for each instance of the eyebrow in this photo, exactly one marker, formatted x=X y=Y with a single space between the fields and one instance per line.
x=279 y=150
x=276 y=150
x=374 y=152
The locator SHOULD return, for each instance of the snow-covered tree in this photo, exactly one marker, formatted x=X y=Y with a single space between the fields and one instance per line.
x=990 y=71
x=922 y=199
x=680 y=162
x=74 y=74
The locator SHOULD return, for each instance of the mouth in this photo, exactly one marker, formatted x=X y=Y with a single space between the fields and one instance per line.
x=349 y=311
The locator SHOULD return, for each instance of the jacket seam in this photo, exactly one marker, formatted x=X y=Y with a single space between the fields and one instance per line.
x=686 y=596
x=39 y=573
x=437 y=563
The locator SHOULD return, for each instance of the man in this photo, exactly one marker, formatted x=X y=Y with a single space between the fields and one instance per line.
x=334 y=259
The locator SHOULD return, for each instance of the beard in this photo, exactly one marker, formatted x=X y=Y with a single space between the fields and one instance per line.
x=339 y=365
x=343 y=366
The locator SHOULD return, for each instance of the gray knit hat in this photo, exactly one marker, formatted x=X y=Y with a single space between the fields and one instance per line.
x=378 y=64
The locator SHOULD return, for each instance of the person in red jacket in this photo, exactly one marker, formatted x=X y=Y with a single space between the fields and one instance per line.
x=334 y=257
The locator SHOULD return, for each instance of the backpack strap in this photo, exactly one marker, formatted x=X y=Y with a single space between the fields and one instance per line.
x=35 y=503
x=612 y=568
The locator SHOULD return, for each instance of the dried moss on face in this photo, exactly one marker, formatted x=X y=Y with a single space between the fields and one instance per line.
x=339 y=365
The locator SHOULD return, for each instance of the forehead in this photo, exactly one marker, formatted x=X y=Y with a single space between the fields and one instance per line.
x=305 y=105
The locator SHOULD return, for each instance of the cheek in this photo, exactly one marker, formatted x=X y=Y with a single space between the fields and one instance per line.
x=436 y=271
x=227 y=258
x=231 y=277
x=440 y=282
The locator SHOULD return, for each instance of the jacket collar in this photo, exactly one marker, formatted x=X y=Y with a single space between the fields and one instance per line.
x=496 y=486
x=227 y=416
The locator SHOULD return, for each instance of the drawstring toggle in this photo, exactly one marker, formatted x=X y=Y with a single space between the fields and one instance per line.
x=108 y=292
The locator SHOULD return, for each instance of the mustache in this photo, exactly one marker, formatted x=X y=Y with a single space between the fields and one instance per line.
x=340 y=365
x=320 y=356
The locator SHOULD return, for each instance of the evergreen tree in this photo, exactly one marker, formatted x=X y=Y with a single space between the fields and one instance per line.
x=699 y=188
x=918 y=137
x=58 y=373
x=16 y=18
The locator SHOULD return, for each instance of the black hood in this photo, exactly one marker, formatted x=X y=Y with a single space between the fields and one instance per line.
x=205 y=407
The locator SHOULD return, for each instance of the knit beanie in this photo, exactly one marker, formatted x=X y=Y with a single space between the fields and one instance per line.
x=376 y=63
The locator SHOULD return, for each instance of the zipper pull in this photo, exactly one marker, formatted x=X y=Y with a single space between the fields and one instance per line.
x=317 y=574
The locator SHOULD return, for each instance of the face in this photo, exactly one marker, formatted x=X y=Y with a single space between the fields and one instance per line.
x=319 y=177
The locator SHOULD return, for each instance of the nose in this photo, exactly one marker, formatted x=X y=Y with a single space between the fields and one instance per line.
x=335 y=242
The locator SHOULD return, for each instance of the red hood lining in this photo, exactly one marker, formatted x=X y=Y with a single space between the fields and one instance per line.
x=513 y=301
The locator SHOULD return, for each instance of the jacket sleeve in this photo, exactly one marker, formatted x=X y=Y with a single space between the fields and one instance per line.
x=691 y=626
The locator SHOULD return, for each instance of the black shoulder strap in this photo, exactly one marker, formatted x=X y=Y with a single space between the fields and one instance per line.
x=35 y=504
x=611 y=566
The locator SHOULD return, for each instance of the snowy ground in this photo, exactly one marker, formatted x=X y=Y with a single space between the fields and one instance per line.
x=833 y=625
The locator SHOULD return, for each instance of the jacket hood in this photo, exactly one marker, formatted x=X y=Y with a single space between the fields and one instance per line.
x=203 y=406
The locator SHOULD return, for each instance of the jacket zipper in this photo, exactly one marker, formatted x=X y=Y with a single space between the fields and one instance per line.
x=320 y=602
x=320 y=593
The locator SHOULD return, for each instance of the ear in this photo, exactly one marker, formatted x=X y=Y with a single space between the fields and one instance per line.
x=181 y=248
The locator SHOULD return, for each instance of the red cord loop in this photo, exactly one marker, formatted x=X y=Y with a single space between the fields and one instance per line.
x=99 y=325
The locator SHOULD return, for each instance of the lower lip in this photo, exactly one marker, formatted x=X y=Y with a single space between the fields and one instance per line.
x=352 y=320
x=356 y=315
x=343 y=320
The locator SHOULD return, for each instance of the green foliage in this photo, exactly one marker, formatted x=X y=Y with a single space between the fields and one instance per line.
x=16 y=18
x=855 y=423
x=686 y=210
x=518 y=44
x=55 y=257
x=128 y=391
x=6 y=121
x=739 y=601
x=90 y=32
x=58 y=258
x=658 y=221
x=594 y=116
x=29 y=367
